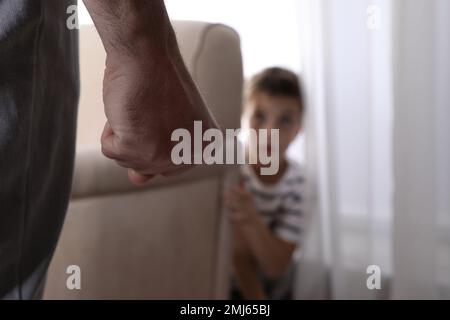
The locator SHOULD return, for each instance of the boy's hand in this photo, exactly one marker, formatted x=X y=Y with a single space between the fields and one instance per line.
x=241 y=204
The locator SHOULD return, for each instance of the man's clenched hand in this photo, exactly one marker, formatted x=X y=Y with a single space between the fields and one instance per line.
x=148 y=92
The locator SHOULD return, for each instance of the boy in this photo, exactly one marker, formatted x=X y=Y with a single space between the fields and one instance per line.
x=266 y=211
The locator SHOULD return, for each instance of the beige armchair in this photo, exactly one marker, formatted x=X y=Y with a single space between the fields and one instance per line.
x=168 y=240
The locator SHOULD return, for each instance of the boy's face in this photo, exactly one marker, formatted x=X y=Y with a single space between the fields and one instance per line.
x=264 y=111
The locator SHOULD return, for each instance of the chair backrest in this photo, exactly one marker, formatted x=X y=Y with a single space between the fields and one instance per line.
x=164 y=241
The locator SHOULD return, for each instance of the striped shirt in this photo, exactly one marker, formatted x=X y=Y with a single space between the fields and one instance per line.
x=281 y=204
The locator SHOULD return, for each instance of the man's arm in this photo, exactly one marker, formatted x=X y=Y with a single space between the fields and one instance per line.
x=132 y=26
x=148 y=92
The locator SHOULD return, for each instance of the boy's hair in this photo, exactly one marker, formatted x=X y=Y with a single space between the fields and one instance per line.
x=276 y=82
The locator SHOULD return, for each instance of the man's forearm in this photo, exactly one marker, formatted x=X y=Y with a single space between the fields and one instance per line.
x=132 y=26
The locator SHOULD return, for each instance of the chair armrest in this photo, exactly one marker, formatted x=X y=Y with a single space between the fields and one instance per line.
x=96 y=175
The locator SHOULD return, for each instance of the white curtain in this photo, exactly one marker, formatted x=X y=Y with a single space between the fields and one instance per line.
x=422 y=157
x=377 y=75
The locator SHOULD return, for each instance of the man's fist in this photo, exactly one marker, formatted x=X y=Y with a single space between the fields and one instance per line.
x=146 y=99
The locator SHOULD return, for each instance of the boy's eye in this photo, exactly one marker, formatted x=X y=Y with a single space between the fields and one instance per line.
x=260 y=117
x=285 y=120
